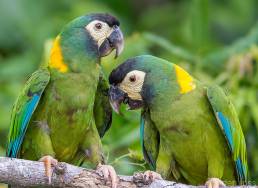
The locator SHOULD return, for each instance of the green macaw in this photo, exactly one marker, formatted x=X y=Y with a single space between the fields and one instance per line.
x=63 y=110
x=190 y=131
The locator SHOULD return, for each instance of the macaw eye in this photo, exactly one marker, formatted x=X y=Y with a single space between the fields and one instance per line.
x=98 y=26
x=132 y=78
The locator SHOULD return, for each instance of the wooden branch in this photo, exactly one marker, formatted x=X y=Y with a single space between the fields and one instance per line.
x=24 y=173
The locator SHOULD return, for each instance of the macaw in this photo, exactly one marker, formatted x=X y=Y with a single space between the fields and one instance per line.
x=63 y=109
x=189 y=131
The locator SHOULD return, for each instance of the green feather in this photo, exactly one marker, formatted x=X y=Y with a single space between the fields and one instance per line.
x=23 y=109
x=192 y=145
x=70 y=103
x=224 y=110
x=102 y=108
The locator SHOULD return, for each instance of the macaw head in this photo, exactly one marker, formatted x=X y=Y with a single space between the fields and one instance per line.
x=146 y=80
x=87 y=38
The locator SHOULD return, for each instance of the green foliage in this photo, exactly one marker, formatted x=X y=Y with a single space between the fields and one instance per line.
x=216 y=41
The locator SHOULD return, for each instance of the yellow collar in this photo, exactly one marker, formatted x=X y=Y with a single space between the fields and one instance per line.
x=185 y=80
x=56 y=57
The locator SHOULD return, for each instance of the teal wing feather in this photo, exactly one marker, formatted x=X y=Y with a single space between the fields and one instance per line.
x=23 y=109
x=149 y=137
x=102 y=108
x=229 y=124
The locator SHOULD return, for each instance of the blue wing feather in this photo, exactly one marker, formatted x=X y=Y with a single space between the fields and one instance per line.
x=14 y=146
x=24 y=108
x=226 y=126
x=231 y=128
x=228 y=130
x=147 y=155
x=141 y=131
x=240 y=168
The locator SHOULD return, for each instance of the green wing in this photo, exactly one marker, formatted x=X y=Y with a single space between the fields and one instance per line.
x=229 y=124
x=149 y=137
x=24 y=108
x=102 y=108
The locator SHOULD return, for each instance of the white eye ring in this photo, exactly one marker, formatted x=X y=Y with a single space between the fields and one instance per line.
x=98 y=26
x=132 y=78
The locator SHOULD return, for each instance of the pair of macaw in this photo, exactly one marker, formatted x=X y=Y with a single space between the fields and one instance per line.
x=190 y=132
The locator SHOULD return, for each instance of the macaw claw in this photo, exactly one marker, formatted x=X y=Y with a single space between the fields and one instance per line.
x=214 y=183
x=109 y=173
x=147 y=177
x=49 y=161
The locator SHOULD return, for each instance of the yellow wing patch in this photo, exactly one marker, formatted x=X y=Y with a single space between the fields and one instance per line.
x=184 y=80
x=56 y=58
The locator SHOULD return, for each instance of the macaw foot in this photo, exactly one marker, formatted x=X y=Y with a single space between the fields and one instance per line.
x=214 y=183
x=48 y=162
x=109 y=173
x=147 y=177
x=151 y=176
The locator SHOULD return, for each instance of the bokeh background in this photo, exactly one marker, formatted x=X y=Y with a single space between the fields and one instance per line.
x=215 y=40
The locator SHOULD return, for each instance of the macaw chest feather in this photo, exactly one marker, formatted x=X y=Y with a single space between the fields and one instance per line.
x=66 y=107
x=73 y=90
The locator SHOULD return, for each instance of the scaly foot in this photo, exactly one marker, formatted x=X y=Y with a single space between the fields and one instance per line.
x=151 y=176
x=214 y=183
x=48 y=162
x=147 y=177
x=109 y=173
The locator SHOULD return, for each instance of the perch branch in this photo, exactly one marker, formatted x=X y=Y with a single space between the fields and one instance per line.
x=24 y=173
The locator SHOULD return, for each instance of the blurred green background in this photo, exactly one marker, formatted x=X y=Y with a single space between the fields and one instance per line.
x=215 y=40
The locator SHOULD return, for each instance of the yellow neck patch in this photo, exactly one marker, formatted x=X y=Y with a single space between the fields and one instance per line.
x=185 y=81
x=56 y=58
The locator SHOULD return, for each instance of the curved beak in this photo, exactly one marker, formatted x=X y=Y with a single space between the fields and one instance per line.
x=114 y=41
x=116 y=97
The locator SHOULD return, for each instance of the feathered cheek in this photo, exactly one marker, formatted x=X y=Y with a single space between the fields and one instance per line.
x=101 y=38
x=133 y=91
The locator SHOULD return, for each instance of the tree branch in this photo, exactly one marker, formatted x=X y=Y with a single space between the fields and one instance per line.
x=31 y=173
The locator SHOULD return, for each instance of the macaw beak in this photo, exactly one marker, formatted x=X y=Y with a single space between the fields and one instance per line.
x=114 y=41
x=116 y=97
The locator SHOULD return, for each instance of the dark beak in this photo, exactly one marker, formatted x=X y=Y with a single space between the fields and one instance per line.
x=114 y=41
x=116 y=97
